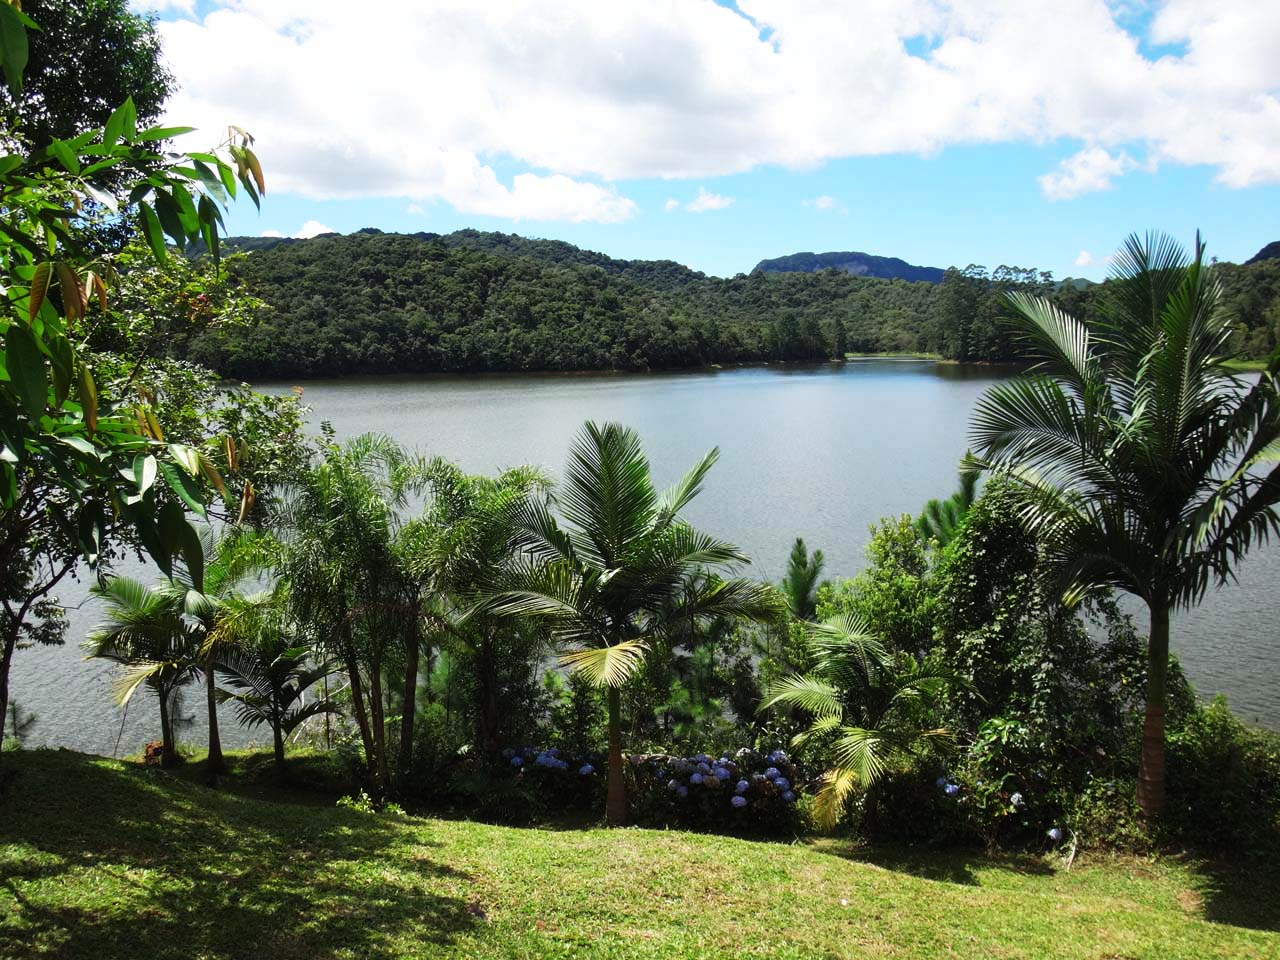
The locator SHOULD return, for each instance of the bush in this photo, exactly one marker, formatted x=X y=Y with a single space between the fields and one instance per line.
x=752 y=793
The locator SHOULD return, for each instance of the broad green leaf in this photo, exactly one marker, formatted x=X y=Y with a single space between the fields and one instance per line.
x=62 y=369
x=161 y=133
x=185 y=487
x=65 y=155
x=88 y=398
x=25 y=363
x=144 y=471
x=152 y=231
x=170 y=218
x=187 y=457
x=13 y=45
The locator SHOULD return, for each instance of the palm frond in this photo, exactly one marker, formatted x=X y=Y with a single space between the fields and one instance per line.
x=609 y=666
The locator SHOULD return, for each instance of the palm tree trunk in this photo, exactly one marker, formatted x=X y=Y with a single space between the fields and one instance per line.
x=488 y=733
x=6 y=660
x=410 y=705
x=615 y=808
x=1151 y=772
x=277 y=727
x=278 y=746
x=168 y=752
x=379 y=723
x=215 y=762
x=357 y=708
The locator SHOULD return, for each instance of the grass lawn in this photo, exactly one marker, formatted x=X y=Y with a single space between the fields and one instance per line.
x=103 y=859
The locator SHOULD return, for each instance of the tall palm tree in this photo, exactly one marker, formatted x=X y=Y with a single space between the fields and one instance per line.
x=622 y=571
x=871 y=703
x=1144 y=463
x=144 y=631
x=800 y=585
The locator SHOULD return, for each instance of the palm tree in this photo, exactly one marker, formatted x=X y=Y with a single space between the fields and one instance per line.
x=623 y=571
x=940 y=520
x=800 y=585
x=271 y=676
x=873 y=705
x=144 y=631
x=1142 y=460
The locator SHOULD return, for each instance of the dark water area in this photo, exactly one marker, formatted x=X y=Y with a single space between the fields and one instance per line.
x=818 y=451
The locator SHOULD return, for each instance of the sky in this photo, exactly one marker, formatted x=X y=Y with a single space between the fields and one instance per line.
x=720 y=132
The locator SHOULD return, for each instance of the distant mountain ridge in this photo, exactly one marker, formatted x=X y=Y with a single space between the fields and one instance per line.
x=1270 y=252
x=852 y=262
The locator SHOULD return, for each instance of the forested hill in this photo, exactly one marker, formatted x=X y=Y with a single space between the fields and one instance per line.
x=859 y=264
x=374 y=302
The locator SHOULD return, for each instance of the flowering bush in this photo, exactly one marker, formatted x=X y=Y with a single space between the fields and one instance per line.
x=746 y=792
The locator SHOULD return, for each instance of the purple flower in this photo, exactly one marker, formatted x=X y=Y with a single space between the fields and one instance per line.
x=673 y=785
x=738 y=801
x=789 y=797
x=704 y=767
x=782 y=783
x=1055 y=834
x=720 y=772
x=586 y=770
x=951 y=789
x=683 y=791
x=696 y=778
x=516 y=762
x=941 y=781
x=772 y=773
x=777 y=757
x=742 y=786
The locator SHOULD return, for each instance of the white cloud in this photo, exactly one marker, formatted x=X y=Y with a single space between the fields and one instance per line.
x=312 y=228
x=705 y=201
x=1091 y=169
x=1084 y=259
x=671 y=204
x=825 y=203
x=415 y=208
x=588 y=93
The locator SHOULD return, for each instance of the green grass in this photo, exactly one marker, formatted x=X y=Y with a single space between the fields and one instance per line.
x=103 y=859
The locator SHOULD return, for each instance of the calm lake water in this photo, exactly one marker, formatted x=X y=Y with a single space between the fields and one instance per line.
x=820 y=452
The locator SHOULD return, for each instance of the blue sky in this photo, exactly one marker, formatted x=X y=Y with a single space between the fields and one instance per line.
x=943 y=133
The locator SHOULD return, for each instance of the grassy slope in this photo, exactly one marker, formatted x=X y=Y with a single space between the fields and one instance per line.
x=102 y=859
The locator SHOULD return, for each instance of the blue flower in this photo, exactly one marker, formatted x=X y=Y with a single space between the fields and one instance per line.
x=738 y=801
x=782 y=783
x=673 y=785
x=1055 y=834
x=789 y=797
x=586 y=770
x=683 y=791
x=742 y=786
x=777 y=757
x=516 y=761
x=704 y=767
x=508 y=753
x=696 y=778
x=951 y=789
x=720 y=772
x=941 y=781
x=772 y=773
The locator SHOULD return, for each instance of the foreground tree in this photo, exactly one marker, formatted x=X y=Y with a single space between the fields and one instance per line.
x=872 y=704
x=1143 y=462
x=623 y=571
x=800 y=585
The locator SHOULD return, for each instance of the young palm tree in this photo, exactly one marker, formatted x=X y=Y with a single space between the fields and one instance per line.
x=145 y=632
x=1145 y=464
x=872 y=704
x=622 y=571
x=940 y=520
x=800 y=585
x=271 y=677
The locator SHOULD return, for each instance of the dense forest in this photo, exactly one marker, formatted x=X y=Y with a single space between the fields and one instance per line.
x=374 y=302
x=859 y=264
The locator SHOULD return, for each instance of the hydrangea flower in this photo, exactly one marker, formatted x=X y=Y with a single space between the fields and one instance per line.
x=941 y=781
x=772 y=773
x=516 y=761
x=951 y=789
x=586 y=770
x=1055 y=834
x=704 y=767
x=696 y=778
x=720 y=772
x=777 y=757
x=738 y=801
x=1016 y=799
x=789 y=797
x=683 y=791
x=711 y=780
x=742 y=786
x=782 y=783
x=744 y=753
x=508 y=753
x=673 y=785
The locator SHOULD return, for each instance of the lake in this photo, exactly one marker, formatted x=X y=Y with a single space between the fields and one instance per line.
x=819 y=451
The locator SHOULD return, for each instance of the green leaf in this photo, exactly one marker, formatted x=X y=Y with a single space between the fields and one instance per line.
x=144 y=471
x=13 y=45
x=63 y=368
x=171 y=218
x=88 y=398
x=129 y=120
x=161 y=133
x=185 y=487
x=152 y=231
x=25 y=364
x=187 y=458
x=65 y=155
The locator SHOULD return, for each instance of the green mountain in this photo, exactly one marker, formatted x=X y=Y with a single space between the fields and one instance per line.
x=858 y=264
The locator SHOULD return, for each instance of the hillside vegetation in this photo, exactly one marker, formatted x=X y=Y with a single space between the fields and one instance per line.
x=375 y=302
x=101 y=858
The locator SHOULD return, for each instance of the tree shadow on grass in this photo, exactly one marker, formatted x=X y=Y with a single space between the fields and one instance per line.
x=948 y=865
x=1239 y=894
x=153 y=871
